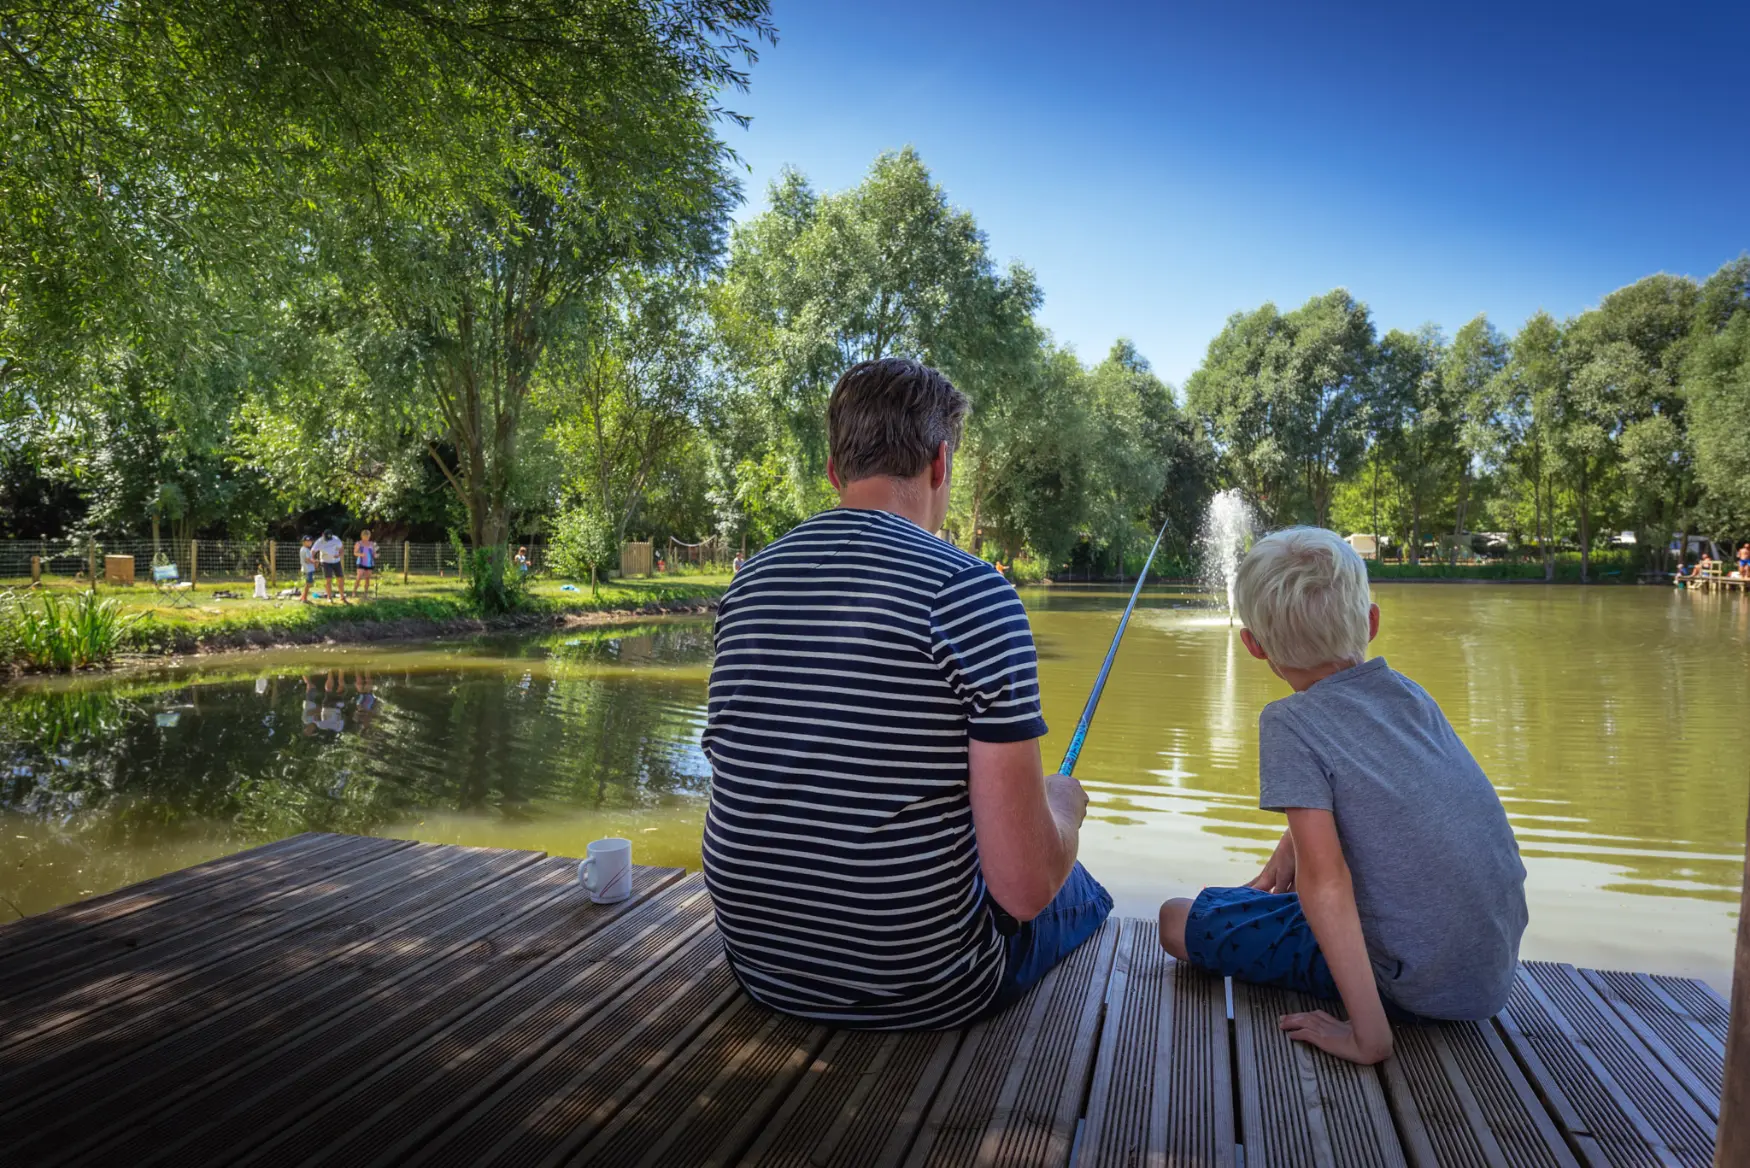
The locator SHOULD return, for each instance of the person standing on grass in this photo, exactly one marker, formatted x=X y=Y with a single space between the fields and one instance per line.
x=333 y=575
x=307 y=564
x=883 y=847
x=364 y=555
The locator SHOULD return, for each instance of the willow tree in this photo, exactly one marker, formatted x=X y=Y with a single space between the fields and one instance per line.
x=462 y=172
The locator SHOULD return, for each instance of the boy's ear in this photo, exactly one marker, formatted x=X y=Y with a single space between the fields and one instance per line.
x=1372 y=622
x=1252 y=646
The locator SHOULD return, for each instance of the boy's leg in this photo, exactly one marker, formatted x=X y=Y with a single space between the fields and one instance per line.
x=1076 y=913
x=1173 y=916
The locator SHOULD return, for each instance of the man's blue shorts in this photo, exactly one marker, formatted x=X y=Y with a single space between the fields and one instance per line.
x=1076 y=913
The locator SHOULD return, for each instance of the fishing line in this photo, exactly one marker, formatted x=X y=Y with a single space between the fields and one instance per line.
x=1075 y=742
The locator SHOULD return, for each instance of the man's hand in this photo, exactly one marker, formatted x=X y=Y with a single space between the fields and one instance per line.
x=1278 y=873
x=1334 y=1036
x=1069 y=803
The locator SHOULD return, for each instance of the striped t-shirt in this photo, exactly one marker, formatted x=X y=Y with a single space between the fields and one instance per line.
x=855 y=657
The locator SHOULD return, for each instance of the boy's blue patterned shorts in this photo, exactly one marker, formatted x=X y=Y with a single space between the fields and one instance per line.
x=1260 y=937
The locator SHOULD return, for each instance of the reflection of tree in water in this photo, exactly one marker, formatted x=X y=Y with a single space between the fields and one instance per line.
x=517 y=742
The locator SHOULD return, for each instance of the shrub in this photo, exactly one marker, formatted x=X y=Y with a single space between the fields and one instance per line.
x=585 y=545
x=63 y=635
x=490 y=585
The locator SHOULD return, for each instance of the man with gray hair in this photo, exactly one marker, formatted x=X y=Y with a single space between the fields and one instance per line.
x=883 y=847
x=1398 y=886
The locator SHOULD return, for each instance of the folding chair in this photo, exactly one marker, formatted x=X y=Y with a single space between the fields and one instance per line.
x=171 y=586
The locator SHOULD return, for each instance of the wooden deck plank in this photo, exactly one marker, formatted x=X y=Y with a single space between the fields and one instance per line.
x=1689 y=1049
x=104 y=995
x=1460 y=1101
x=201 y=1036
x=246 y=1107
x=1699 y=999
x=406 y=1102
x=566 y=1096
x=1604 y=1124
x=1299 y=1106
x=438 y=1005
x=1163 y=1089
x=860 y=1103
x=1681 y=1122
x=709 y=1102
x=1014 y=1091
x=65 y=921
x=187 y=923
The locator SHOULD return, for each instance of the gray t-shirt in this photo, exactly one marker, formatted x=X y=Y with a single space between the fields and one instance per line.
x=1438 y=880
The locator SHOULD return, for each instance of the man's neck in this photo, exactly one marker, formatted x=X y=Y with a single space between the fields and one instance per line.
x=906 y=498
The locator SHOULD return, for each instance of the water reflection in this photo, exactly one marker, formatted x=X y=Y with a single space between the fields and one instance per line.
x=1611 y=719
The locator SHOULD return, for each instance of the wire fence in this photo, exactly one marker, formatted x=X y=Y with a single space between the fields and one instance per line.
x=120 y=561
x=200 y=560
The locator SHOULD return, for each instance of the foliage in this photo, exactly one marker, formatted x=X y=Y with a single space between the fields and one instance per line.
x=490 y=582
x=585 y=545
x=61 y=634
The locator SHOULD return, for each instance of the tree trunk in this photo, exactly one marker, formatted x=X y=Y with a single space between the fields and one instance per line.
x=1416 y=529
x=1585 y=502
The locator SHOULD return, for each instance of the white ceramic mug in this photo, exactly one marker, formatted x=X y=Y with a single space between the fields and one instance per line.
x=606 y=870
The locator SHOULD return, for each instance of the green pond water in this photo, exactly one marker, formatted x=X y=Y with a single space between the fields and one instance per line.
x=1614 y=721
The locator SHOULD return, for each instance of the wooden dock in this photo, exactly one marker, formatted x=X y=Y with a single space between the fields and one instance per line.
x=332 y=999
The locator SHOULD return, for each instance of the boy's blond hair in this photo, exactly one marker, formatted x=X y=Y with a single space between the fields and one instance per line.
x=1303 y=593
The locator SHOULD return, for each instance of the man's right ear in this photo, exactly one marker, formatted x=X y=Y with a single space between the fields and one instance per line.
x=832 y=475
x=1252 y=646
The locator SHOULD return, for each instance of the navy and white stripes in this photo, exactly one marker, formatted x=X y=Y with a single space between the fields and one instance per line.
x=855 y=656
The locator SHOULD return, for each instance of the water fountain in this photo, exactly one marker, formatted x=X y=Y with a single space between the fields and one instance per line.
x=1228 y=526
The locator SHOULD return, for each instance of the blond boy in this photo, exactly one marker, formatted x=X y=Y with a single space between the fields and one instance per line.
x=1398 y=887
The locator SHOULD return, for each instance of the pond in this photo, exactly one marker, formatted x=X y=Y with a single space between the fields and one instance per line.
x=1612 y=720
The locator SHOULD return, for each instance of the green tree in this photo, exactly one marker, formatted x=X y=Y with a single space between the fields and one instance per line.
x=1531 y=388
x=1716 y=390
x=467 y=176
x=1469 y=373
x=817 y=283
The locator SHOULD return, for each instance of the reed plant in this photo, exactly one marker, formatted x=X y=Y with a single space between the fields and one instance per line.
x=54 y=633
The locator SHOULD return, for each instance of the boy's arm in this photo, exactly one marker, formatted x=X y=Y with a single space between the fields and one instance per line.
x=1327 y=896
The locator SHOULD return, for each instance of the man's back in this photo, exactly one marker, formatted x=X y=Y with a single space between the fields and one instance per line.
x=854 y=658
x=1438 y=880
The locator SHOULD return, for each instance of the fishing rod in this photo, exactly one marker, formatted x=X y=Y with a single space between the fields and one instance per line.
x=1075 y=742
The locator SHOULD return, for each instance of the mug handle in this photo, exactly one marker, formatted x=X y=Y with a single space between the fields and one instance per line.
x=583 y=869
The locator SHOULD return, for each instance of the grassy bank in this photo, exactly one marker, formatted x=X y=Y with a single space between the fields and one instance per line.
x=1607 y=567
x=151 y=624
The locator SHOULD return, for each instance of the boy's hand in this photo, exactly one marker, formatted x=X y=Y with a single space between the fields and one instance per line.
x=1278 y=873
x=1334 y=1036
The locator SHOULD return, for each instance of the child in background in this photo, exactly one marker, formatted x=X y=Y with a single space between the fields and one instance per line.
x=307 y=563
x=1398 y=886
x=364 y=555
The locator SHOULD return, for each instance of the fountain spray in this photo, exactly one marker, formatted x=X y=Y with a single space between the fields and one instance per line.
x=1226 y=537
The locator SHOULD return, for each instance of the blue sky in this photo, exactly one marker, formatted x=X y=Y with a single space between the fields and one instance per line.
x=1163 y=165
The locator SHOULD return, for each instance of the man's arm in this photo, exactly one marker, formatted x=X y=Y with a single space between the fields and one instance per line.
x=1027 y=824
x=1327 y=896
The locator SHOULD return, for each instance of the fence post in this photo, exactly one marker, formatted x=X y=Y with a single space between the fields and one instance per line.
x=36 y=570
x=194 y=563
x=268 y=551
x=406 y=555
x=91 y=560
